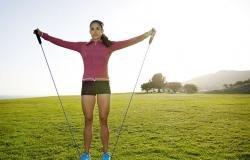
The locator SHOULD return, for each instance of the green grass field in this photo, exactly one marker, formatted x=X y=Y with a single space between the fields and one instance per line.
x=158 y=127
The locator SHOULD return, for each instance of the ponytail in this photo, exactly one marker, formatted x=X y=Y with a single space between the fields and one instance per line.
x=106 y=41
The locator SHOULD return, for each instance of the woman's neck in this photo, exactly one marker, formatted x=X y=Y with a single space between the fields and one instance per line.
x=96 y=40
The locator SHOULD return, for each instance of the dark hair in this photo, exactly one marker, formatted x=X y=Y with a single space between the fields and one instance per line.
x=104 y=38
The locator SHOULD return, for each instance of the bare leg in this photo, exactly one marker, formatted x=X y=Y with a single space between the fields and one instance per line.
x=103 y=101
x=88 y=104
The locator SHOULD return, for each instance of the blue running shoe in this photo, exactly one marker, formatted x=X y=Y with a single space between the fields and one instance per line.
x=106 y=156
x=85 y=156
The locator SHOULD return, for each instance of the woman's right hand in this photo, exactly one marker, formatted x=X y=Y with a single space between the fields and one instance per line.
x=40 y=33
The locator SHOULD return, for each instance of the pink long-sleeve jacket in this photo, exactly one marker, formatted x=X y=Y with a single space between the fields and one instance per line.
x=95 y=54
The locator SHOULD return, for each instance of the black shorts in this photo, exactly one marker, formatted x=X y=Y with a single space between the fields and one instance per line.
x=95 y=87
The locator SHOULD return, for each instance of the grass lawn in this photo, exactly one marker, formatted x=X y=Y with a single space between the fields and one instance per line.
x=158 y=127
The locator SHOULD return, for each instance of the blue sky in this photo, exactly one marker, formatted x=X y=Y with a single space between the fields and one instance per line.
x=193 y=38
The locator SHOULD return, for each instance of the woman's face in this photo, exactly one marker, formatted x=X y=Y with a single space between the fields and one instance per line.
x=96 y=31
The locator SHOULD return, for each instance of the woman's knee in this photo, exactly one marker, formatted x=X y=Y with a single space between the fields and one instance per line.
x=88 y=120
x=103 y=120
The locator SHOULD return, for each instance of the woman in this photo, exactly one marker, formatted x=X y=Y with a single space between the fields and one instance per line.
x=95 y=80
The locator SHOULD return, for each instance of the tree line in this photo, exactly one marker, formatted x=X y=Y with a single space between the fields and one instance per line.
x=158 y=82
x=239 y=87
x=238 y=83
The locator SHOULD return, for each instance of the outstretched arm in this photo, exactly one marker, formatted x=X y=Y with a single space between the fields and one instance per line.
x=125 y=43
x=76 y=46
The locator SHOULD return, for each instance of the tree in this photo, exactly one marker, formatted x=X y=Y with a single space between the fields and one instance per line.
x=190 y=88
x=147 y=86
x=158 y=81
x=174 y=86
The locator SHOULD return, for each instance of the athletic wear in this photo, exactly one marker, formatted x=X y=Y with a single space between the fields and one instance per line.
x=85 y=156
x=95 y=87
x=106 y=156
x=95 y=54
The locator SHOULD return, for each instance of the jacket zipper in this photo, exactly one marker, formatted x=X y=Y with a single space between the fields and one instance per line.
x=93 y=68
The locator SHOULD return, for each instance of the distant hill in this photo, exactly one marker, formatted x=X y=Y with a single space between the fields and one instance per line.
x=215 y=81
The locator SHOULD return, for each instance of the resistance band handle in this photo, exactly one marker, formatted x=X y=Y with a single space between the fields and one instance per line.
x=37 y=36
x=152 y=37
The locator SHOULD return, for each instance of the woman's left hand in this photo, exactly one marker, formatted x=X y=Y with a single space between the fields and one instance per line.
x=151 y=32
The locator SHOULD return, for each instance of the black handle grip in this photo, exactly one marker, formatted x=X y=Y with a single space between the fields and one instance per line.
x=152 y=37
x=37 y=36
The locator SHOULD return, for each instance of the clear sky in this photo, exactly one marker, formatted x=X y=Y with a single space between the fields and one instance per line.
x=194 y=37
